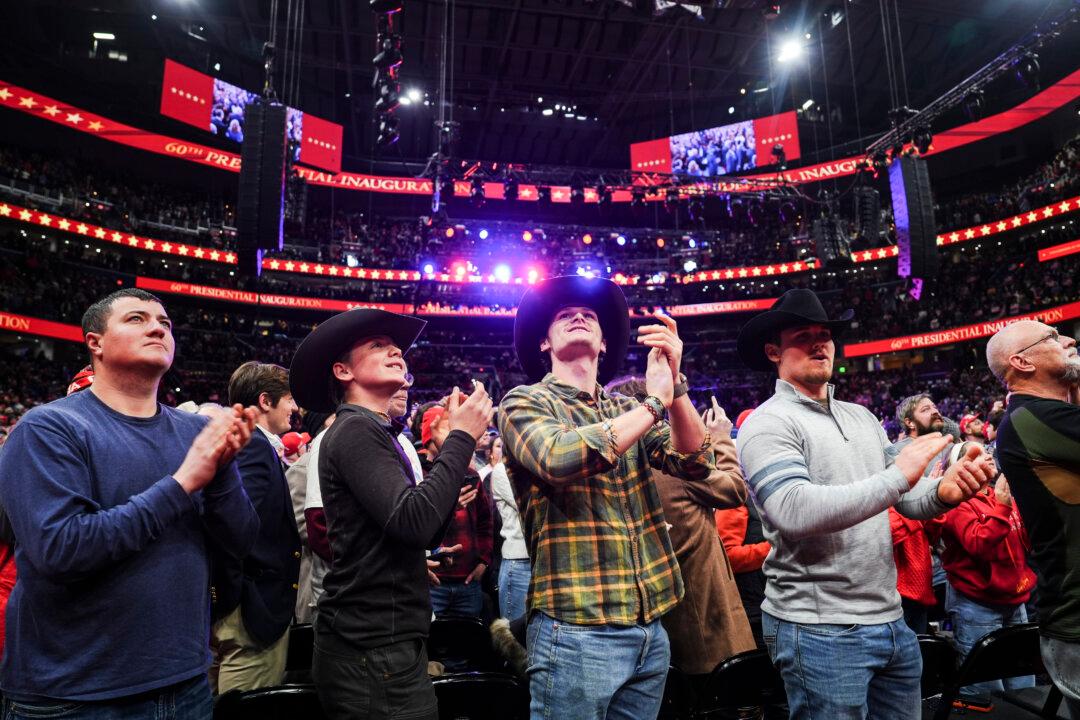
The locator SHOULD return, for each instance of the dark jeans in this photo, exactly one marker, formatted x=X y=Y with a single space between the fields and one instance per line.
x=385 y=682
x=916 y=615
x=455 y=598
x=189 y=700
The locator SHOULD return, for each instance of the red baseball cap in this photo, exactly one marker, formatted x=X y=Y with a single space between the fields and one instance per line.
x=742 y=417
x=293 y=441
x=430 y=418
x=967 y=420
x=82 y=380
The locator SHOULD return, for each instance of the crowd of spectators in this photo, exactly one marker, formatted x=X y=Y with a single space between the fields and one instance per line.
x=742 y=230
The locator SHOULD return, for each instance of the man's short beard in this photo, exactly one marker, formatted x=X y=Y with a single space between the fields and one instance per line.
x=1071 y=375
x=921 y=430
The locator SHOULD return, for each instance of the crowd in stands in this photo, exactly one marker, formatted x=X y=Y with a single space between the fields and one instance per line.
x=744 y=231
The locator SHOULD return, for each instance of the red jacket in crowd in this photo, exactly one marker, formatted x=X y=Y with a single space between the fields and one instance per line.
x=985 y=551
x=731 y=525
x=911 y=552
x=471 y=527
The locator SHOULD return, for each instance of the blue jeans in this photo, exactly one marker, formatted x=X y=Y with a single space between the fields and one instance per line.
x=593 y=672
x=514 y=576
x=839 y=672
x=188 y=700
x=456 y=598
x=971 y=621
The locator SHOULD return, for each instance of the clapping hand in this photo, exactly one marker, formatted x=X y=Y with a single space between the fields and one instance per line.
x=665 y=338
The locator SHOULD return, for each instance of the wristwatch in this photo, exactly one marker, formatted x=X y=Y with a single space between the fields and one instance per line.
x=654 y=406
x=681 y=387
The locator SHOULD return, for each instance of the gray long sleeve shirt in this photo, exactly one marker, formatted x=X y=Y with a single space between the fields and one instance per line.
x=823 y=480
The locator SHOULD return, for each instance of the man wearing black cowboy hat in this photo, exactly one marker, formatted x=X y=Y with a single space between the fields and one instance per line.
x=375 y=612
x=822 y=477
x=603 y=568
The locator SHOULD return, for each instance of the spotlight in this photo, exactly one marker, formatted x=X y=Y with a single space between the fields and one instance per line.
x=671 y=199
x=389 y=55
x=1027 y=70
x=922 y=138
x=790 y=49
x=621 y=240
x=510 y=188
x=689 y=266
x=780 y=155
x=527 y=236
x=414 y=95
x=449 y=232
x=385 y=6
x=389 y=97
x=483 y=234
x=503 y=273
x=429 y=269
x=974 y=103
x=533 y=275
x=388 y=131
x=476 y=191
x=446 y=185
x=587 y=239
x=660 y=242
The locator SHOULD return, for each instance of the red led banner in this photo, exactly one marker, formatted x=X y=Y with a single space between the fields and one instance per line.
x=12 y=96
x=42 y=328
x=208 y=103
x=1059 y=251
x=294 y=302
x=1050 y=316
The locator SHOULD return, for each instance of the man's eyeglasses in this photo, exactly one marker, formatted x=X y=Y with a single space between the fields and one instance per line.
x=1052 y=335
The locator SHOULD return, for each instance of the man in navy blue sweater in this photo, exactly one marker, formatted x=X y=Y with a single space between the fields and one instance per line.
x=254 y=598
x=114 y=500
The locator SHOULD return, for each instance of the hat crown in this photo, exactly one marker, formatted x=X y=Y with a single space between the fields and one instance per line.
x=803 y=302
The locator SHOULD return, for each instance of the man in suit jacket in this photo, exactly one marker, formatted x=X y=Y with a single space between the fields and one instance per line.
x=254 y=599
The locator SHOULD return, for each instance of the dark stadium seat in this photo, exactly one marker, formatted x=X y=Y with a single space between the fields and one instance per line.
x=939 y=664
x=463 y=641
x=286 y=702
x=301 y=648
x=1004 y=653
x=747 y=680
x=481 y=696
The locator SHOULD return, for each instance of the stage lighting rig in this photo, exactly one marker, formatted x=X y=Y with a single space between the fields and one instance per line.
x=922 y=138
x=1027 y=70
x=780 y=156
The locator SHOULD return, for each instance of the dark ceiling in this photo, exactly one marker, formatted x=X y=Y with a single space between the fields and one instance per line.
x=628 y=75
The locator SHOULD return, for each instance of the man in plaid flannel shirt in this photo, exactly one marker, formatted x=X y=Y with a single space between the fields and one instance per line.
x=603 y=568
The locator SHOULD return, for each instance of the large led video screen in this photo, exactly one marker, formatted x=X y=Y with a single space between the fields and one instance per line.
x=212 y=104
x=720 y=151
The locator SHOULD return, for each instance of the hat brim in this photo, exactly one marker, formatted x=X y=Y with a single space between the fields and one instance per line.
x=764 y=327
x=310 y=377
x=539 y=305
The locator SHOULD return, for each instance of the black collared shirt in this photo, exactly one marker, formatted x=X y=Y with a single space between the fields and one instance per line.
x=379 y=525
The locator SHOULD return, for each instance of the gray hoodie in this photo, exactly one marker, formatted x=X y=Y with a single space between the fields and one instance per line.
x=823 y=480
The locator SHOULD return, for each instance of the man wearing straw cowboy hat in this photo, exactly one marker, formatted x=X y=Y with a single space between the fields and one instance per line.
x=370 y=660
x=822 y=476
x=578 y=460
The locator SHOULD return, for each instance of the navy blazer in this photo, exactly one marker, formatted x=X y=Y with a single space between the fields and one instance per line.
x=264 y=583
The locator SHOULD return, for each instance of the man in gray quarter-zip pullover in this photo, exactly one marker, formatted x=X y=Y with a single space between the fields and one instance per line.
x=822 y=478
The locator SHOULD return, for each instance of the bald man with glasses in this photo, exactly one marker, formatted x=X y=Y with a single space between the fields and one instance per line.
x=1038 y=448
